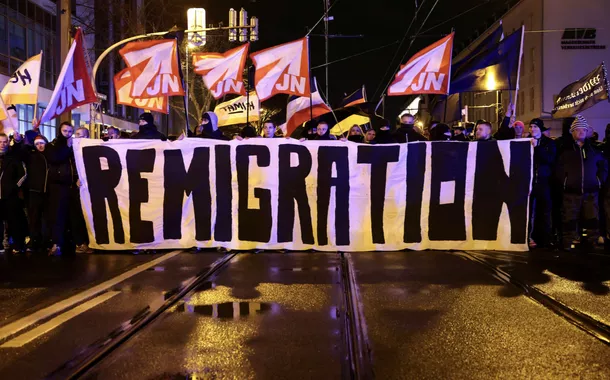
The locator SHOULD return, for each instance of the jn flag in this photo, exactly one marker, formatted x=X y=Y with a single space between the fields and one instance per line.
x=282 y=69
x=583 y=94
x=428 y=72
x=154 y=68
x=123 y=82
x=222 y=73
x=22 y=88
x=494 y=67
x=73 y=88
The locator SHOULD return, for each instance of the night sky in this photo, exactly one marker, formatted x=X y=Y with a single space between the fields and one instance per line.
x=381 y=22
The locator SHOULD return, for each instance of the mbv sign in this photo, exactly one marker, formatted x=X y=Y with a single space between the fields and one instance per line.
x=281 y=194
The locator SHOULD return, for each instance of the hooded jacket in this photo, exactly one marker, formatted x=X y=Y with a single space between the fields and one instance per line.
x=37 y=165
x=210 y=130
x=407 y=133
x=581 y=169
x=149 y=131
x=384 y=137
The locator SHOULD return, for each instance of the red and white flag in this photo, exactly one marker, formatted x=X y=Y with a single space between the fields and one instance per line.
x=154 y=68
x=298 y=110
x=123 y=82
x=73 y=87
x=282 y=69
x=427 y=72
x=222 y=73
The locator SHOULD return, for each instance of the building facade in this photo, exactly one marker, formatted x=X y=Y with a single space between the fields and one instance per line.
x=28 y=27
x=564 y=41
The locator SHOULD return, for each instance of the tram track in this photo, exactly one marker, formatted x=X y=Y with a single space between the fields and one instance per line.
x=357 y=353
x=585 y=322
x=95 y=353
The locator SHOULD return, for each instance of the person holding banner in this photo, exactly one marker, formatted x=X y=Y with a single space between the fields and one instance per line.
x=582 y=170
x=208 y=128
x=407 y=133
x=269 y=129
x=148 y=129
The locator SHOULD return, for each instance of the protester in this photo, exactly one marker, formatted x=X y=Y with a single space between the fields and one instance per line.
x=384 y=135
x=355 y=134
x=12 y=176
x=81 y=133
x=61 y=180
x=483 y=131
x=247 y=132
x=148 y=129
x=269 y=129
x=37 y=204
x=441 y=132
x=369 y=136
x=323 y=132
x=582 y=170
x=458 y=133
x=540 y=196
x=114 y=133
x=406 y=132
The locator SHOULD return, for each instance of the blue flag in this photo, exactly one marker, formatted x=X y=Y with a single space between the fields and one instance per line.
x=489 y=68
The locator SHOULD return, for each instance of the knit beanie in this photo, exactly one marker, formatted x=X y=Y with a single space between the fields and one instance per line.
x=539 y=123
x=579 y=122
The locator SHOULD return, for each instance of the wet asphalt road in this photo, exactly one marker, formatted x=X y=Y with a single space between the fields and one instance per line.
x=284 y=316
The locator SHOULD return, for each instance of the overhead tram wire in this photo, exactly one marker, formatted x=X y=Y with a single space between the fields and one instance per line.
x=355 y=55
x=410 y=45
x=459 y=15
x=404 y=37
x=322 y=18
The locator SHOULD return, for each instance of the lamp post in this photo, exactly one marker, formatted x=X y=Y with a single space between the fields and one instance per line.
x=196 y=21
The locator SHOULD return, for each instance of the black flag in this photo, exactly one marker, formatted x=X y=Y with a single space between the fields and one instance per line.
x=583 y=94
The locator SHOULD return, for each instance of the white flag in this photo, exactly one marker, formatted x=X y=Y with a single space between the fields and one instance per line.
x=22 y=88
x=234 y=111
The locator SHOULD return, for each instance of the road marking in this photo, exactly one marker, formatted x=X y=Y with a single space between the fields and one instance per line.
x=25 y=322
x=29 y=336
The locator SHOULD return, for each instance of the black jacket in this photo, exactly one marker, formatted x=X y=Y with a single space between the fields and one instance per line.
x=505 y=132
x=12 y=175
x=37 y=165
x=545 y=155
x=407 y=133
x=62 y=168
x=149 y=132
x=384 y=137
x=581 y=169
x=461 y=137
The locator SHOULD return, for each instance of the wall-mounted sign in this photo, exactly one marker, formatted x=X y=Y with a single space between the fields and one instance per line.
x=580 y=39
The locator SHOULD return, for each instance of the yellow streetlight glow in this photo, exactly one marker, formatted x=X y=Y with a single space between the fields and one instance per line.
x=490 y=81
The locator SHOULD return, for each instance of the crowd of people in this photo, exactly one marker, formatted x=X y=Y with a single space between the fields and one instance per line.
x=569 y=184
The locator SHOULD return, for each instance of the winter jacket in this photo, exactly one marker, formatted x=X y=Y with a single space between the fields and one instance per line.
x=407 y=133
x=461 y=137
x=149 y=132
x=545 y=155
x=581 y=169
x=62 y=167
x=37 y=166
x=505 y=132
x=384 y=137
x=12 y=175
x=210 y=130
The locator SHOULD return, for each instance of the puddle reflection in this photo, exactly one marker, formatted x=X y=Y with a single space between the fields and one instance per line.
x=229 y=310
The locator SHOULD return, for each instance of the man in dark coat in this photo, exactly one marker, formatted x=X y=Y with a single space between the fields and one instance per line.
x=12 y=177
x=545 y=154
x=148 y=129
x=582 y=170
x=458 y=133
x=406 y=132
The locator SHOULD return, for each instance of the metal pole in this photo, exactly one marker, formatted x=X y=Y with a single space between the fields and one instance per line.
x=186 y=85
x=326 y=6
x=64 y=27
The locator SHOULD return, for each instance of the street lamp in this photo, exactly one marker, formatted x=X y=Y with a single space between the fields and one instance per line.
x=196 y=20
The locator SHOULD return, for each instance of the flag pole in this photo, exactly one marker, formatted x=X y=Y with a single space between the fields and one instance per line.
x=607 y=80
x=37 y=89
x=518 y=73
x=185 y=97
x=309 y=68
x=7 y=115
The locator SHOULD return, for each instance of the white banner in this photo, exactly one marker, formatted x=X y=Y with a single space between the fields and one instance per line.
x=234 y=111
x=282 y=194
